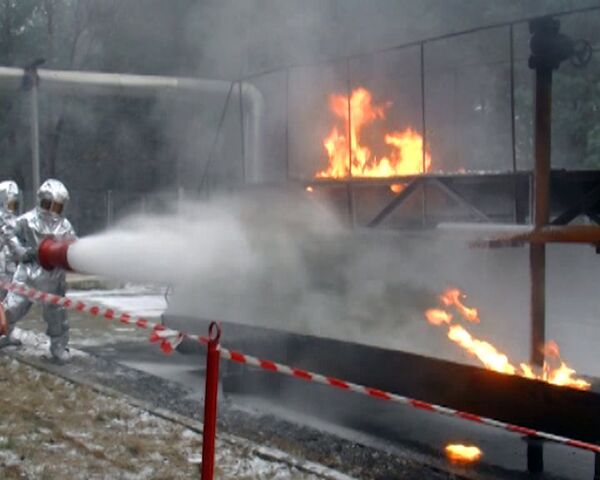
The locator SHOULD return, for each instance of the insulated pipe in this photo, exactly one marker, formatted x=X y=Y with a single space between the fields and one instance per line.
x=54 y=254
x=104 y=84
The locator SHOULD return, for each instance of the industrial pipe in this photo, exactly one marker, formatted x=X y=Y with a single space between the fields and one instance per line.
x=63 y=82
x=54 y=254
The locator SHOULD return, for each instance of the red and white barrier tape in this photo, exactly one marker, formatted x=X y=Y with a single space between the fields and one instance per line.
x=169 y=339
x=392 y=397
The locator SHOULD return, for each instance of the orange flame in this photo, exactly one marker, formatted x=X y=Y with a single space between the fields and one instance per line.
x=405 y=158
x=458 y=453
x=484 y=351
x=435 y=316
x=554 y=371
x=453 y=296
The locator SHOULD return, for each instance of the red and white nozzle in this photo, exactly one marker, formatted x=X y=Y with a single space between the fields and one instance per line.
x=54 y=254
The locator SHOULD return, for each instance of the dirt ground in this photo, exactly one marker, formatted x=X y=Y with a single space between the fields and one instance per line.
x=51 y=429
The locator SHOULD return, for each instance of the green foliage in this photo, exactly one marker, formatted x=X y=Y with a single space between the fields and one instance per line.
x=576 y=120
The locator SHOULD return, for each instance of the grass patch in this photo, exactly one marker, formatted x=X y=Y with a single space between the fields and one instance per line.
x=8 y=443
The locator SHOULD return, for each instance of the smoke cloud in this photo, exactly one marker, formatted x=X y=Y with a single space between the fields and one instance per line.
x=284 y=261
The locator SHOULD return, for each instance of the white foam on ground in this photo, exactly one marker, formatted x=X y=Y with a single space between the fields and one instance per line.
x=37 y=345
x=142 y=305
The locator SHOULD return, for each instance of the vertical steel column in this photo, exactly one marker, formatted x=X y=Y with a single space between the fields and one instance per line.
x=541 y=211
x=287 y=124
x=211 y=153
x=180 y=199
x=211 y=390
x=535 y=455
x=512 y=119
x=35 y=133
x=350 y=189
x=423 y=136
x=548 y=49
x=537 y=253
x=242 y=133
x=109 y=208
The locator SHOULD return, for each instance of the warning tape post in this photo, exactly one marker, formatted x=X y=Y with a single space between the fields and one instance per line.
x=169 y=339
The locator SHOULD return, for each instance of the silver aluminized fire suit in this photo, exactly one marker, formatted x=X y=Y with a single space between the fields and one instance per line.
x=9 y=205
x=45 y=220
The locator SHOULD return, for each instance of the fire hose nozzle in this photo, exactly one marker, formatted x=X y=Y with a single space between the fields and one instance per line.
x=54 y=254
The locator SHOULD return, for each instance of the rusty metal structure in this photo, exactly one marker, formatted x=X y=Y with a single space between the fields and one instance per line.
x=547 y=199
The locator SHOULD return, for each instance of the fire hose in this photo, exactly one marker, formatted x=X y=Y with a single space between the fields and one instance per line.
x=55 y=254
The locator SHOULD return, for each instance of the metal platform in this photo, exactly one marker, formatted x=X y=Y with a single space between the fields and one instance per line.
x=472 y=196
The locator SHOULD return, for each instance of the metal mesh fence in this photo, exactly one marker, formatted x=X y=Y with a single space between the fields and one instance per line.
x=468 y=97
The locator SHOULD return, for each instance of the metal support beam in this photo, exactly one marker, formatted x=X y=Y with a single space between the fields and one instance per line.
x=513 y=136
x=454 y=195
x=588 y=202
x=349 y=187
x=396 y=202
x=30 y=83
x=548 y=49
x=594 y=217
x=423 y=135
x=109 y=208
x=523 y=198
x=535 y=455
x=35 y=137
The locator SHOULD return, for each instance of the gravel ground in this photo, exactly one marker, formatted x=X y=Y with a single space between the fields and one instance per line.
x=52 y=428
x=305 y=446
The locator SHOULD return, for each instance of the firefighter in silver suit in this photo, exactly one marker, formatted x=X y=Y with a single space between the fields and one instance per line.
x=45 y=220
x=9 y=206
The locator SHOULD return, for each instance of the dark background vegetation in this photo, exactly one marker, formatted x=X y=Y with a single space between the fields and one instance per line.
x=134 y=147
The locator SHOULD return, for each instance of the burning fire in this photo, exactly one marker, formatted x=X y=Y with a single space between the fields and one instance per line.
x=435 y=316
x=453 y=296
x=554 y=371
x=458 y=453
x=406 y=147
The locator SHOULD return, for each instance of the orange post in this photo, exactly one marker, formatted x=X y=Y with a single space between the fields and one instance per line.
x=211 y=390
